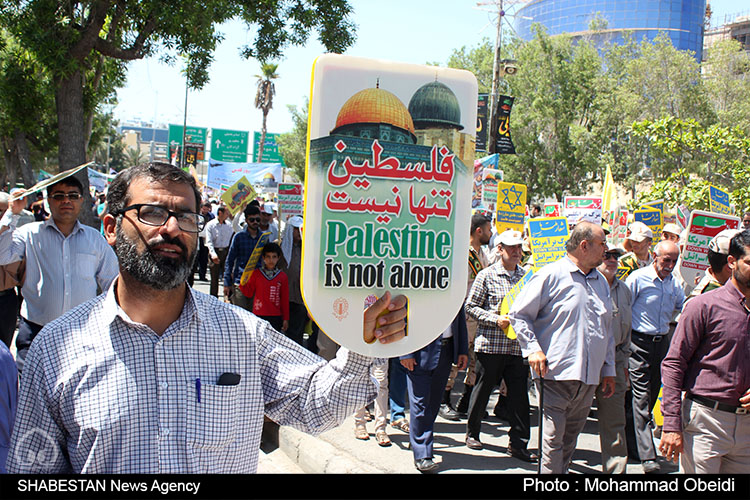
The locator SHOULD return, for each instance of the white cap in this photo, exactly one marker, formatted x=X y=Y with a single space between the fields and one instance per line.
x=267 y=208
x=510 y=238
x=720 y=242
x=671 y=228
x=639 y=231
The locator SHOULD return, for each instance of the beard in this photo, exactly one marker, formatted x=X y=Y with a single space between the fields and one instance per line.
x=160 y=273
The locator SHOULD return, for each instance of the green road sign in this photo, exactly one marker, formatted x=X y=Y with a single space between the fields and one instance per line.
x=270 y=149
x=194 y=136
x=229 y=145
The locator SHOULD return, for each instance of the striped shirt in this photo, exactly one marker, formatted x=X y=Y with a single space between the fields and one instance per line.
x=483 y=304
x=101 y=393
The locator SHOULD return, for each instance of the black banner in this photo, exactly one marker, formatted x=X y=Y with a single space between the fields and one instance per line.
x=483 y=104
x=504 y=144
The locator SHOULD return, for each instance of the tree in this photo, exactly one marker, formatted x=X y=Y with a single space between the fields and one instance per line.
x=264 y=98
x=723 y=152
x=134 y=157
x=478 y=60
x=69 y=37
x=727 y=82
x=293 y=145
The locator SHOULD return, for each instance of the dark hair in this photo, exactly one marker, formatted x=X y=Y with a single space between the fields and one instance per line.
x=222 y=210
x=717 y=261
x=251 y=210
x=206 y=204
x=68 y=181
x=583 y=231
x=738 y=245
x=272 y=248
x=538 y=207
x=254 y=203
x=477 y=221
x=117 y=195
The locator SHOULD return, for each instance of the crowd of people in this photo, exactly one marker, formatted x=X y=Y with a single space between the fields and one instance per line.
x=109 y=329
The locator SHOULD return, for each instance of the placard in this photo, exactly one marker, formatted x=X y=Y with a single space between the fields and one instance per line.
x=553 y=210
x=511 y=207
x=703 y=226
x=719 y=201
x=652 y=217
x=490 y=179
x=290 y=200
x=510 y=297
x=238 y=195
x=583 y=208
x=387 y=186
x=547 y=238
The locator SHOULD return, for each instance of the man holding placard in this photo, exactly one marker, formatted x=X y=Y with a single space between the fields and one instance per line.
x=562 y=319
x=245 y=244
x=498 y=357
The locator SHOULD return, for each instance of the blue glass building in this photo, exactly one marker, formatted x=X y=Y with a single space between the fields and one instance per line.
x=682 y=20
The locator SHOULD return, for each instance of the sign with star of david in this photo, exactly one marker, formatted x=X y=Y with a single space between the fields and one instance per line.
x=511 y=206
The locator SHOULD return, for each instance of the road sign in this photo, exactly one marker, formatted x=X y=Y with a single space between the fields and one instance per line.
x=270 y=149
x=229 y=145
x=195 y=144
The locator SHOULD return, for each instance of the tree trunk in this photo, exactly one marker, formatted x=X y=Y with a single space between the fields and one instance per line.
x=72 y=138
x=23 y=156
x=10 y=161
x=262 y=142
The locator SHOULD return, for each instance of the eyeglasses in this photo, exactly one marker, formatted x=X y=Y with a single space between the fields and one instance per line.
x=610 y=255
x=61 y=196
x=253 y=219
x=155 y=215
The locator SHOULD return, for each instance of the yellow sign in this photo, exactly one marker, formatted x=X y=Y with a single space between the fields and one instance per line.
x=653 y=218
x=511 y=206
x=238 y=195
x=547 y=238
x=658 y=417
x=511 y=297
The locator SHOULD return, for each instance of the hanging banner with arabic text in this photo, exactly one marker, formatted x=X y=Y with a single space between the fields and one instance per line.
x=386 y=196
x=547 y=238
x=511 y=206
x=504 y=144
x=703 y=226
x=719 y=201
x=290 y=200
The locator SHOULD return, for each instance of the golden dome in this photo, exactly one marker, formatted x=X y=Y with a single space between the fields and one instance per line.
x=375 y=106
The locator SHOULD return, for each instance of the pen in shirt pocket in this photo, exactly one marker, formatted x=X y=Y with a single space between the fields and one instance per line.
x=198 y=388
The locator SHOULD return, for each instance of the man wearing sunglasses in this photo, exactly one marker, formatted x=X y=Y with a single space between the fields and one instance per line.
x=67 y=263
x=155 y=377
x=242 y=246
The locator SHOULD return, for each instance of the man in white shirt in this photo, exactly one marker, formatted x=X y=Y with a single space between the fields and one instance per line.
x=67 y=263
x=218 y=236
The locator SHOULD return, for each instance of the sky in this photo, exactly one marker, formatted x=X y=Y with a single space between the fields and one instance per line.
x=409 y=31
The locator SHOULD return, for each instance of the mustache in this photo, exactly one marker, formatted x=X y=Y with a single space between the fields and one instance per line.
x=168 y=240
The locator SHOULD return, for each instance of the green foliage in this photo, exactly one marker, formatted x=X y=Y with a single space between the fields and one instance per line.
x=722 y=152
x=293 y=144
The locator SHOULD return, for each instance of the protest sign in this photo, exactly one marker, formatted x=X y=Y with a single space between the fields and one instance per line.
x=511 y=206
x=386 y=190
x=510 y=297
x=553 y=210
x=719 y=201
x=226 y=173
x=238 y=195
x=490 y=179
x=547 y=238
x=703 y=226
x=99 y=180
x=49 y=181
x=290 y=200
x=583 y=208
x=683 y=215
x=652 y=217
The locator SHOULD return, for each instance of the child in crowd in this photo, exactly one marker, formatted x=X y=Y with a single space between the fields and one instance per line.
x=270 y=287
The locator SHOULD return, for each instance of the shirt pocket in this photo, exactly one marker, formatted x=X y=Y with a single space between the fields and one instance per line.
x=212 y=421
x=85 y=266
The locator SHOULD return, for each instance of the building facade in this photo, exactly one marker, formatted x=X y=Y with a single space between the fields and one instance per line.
x=681 y=20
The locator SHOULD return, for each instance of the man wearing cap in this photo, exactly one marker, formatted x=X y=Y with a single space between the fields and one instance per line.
x=656 y=297
x=718 y=271
x=610 y=412
x=66 y=262
x=638 y=246
x=709 y=430
x=563 y=320
x=267 y=223
x=499 y=357
x=671 y=232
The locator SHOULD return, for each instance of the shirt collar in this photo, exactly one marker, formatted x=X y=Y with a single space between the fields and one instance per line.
x=111 y=310
x=733 y=291
x=571 y=266
x=500 y=269
x=650 y=271
x=51 y=223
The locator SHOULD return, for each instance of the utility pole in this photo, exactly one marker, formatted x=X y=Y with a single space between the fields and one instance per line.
x=184 y=125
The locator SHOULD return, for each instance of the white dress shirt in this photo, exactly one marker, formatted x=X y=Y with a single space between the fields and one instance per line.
x=218 y=235
x=61 y=272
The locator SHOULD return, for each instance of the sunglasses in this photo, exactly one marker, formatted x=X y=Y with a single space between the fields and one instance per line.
x=253 y=219
x=61 y=196
x=611 y=255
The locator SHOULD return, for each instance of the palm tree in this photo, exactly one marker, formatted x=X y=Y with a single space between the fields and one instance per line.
x=134 y=156
x=264 y=98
